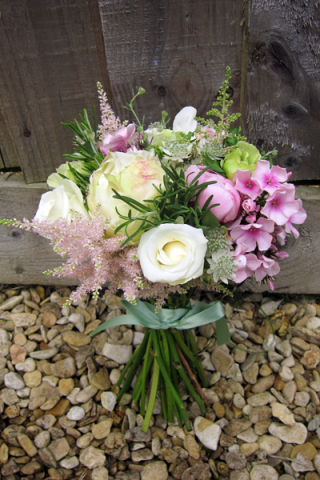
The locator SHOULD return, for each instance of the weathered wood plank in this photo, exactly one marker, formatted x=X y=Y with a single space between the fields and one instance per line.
x=300 y=272
x=24 y=256
x=177 y=51
x=282 y=104
x=51 y=56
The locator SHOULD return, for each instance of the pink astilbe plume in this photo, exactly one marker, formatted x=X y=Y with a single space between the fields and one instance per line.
x=98 y=262
x=109 y=122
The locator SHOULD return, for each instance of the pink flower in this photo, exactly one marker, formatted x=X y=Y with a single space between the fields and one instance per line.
x=281 y=255
x=280 y=234
x=245 y=265
x=267 y=267
x=298 y=217
x=254 y=233
x=249 y=205
x=281 y=205
x=245 y=184
x=269 y=178
x=223 y=191
x=120 y=140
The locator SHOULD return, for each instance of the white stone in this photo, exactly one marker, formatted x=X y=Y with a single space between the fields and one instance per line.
x=78 y=320
x=286 y=374
x=69 y=463
x=14 y=380
x=302 y=399
x=270 y=444
x=248 y=436
x=284 y=348
x=206 y=362
x=295 y=434
x=92 y=457
x=119 y=353
x=288 y=362
x=108 y=400
x=313 y=323
x=44 y=354
x=29 y=365
x=207 y=432
x=283 y=413
x=114 y=375
x=137 y=338
x=4 y=337
x=263 y=472
x=76 y=413
x=100 y=473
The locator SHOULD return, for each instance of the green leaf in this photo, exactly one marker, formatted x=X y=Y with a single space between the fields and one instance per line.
x=210 y=220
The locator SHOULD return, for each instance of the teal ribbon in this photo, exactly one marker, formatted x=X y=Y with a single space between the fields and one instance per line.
x=145 y=315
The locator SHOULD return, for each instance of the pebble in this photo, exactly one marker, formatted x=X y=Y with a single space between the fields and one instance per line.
x=263 y=472
x=13 y=380
x=289 y=434
x=102 y=429
x=44 y=354
x=208 y=432
x=283 y=413
x=119 y=353
x=108 y=400
x=70 y=463
x=76 y=413
x=155 y=471
x=92 y=457
x=270 y=444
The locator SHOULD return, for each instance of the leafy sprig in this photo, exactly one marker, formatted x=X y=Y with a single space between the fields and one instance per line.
x=223 y=103
x=176 y=202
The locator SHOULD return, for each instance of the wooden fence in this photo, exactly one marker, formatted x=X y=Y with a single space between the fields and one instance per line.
x=52 y=53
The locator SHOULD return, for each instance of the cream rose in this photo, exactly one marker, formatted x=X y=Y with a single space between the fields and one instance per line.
x=59 y=203
x=131 y=174
x=172 y=253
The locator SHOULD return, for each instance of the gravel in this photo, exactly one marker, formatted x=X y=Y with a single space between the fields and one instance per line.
x=60 y=419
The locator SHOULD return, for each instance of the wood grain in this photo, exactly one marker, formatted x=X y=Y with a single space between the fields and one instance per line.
x=24 y=256
x=51 y=56
x=282 y=101
x=178 y=51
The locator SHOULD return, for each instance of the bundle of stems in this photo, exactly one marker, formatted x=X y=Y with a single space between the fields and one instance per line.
x=166 y=355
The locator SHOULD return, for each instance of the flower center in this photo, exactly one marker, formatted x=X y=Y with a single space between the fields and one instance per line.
x=249 y=185
x=175 y=251
x=269 y=182
x=253 y=229
x=274 y=203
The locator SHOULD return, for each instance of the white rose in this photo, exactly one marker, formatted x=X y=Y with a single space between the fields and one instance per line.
x=172 y=253
x=59 y=203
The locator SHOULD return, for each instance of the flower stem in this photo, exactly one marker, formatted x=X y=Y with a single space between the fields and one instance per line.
x=169 y=383
x=191 y=357
x=170 y=401
x=144 y=376
x=183 y=374
x=152 y=396
x=136 y=362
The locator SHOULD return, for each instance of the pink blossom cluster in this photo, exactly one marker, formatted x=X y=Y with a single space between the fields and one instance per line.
x=268 y=211
x=109 y=122
x=99 y=263
x=120 y=141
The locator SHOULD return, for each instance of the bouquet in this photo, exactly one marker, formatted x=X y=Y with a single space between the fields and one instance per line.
x=156 y=213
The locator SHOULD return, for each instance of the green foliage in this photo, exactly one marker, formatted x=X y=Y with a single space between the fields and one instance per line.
x=85 y=149
x=223 y=103
x=10 y=223
x=176 y=202
x=269 y=155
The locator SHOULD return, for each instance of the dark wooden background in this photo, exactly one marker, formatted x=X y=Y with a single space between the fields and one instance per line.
x=52 y=53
